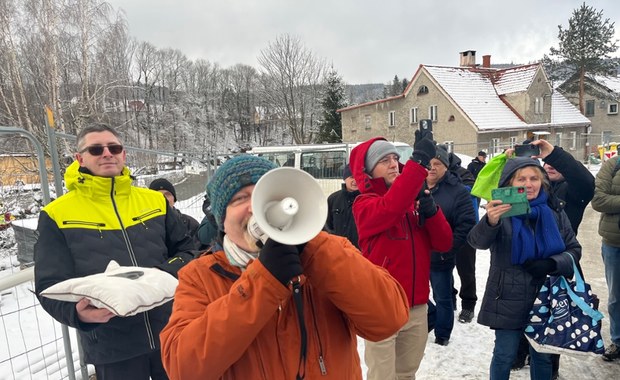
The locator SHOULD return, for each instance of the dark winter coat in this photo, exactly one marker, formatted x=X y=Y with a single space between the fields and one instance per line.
x=388 y=225
x=191 y=225
x=98 y=220
x=466 y=177
x=577 y=188
x=207 y=231
x=456 y=204
x=510 y=291
x=340 y=214
x=475 y=166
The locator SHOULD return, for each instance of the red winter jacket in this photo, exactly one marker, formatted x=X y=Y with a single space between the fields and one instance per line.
x=387 y=223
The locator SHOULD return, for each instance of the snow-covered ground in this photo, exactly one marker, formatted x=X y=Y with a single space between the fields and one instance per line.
x=466 y=357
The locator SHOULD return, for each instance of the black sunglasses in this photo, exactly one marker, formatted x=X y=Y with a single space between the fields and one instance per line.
x=97 y=150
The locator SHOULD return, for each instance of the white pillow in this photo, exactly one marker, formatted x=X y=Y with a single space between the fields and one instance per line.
x=125 y=291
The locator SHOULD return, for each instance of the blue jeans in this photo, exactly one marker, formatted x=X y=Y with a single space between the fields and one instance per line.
x=505 y=351
x=611 y=259
x=442 y=284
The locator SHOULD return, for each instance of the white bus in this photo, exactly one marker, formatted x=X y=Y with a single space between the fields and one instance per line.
x=325 y=162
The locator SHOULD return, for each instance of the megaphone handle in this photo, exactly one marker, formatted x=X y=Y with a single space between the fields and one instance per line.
x=256 y=232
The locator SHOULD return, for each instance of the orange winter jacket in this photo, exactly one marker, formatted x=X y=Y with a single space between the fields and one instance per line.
x=228 y=324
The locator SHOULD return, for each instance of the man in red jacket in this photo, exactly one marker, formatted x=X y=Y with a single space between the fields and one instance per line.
x=396 y=235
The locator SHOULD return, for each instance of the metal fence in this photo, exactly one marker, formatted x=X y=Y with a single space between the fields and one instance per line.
x=32 y=344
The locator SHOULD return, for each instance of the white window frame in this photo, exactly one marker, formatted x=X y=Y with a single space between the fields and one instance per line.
x=513 y=141
x=539 y=106
x=558 y=139
x=367 y=121
x=432 y=112
x=495 y=145
x=449 y=145
x=573 y=140
x=612 y=108
x=413 y=115
x=605 y=140
x=392 y=119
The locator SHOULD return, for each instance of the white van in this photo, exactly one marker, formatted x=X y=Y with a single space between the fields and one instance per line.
x=325 y=162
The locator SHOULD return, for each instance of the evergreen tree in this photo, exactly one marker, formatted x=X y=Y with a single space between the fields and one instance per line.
x=585 y=45
x=405 y=83
x=333 y=99
x=396 y=87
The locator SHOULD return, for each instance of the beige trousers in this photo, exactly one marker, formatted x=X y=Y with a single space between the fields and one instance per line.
x=399 y=356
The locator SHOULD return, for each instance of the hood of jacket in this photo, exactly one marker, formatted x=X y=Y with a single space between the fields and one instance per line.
x=455 y=162
x=365 y=183
x=514 y=164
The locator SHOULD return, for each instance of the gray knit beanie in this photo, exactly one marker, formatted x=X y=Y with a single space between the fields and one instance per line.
x=376 y=152
x=442 y=155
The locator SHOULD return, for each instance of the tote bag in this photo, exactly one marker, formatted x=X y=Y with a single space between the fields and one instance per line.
x=563 y=318
x=488 y=177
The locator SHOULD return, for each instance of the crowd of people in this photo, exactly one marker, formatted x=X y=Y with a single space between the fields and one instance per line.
x=248 y=308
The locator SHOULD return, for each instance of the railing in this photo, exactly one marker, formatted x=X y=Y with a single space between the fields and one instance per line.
x=32 y=344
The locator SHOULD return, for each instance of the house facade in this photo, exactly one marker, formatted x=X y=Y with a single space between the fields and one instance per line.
x=473 y=107
x=601 y=98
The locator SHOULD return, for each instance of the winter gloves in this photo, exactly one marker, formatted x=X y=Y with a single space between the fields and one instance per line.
x=427 y=207
x=423 y=148
x=540 y=268
x=282 y=261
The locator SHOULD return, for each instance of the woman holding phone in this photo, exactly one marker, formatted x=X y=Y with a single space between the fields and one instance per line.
x=524 y=250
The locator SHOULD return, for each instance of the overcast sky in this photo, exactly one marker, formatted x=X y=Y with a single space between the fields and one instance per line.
x=367 y=41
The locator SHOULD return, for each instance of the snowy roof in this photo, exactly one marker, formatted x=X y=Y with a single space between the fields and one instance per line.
x=474 y=92
x=612 y=83
x=478 y=93
x=564 y=112
x=515 y=79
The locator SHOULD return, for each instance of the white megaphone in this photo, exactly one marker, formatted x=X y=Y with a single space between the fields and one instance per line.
x=288 y=206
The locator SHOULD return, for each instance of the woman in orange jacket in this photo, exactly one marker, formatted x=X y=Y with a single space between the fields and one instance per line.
x=280 y=312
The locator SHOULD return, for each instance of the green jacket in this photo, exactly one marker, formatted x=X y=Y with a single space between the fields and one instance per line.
x=607 y=201
x=98 y=220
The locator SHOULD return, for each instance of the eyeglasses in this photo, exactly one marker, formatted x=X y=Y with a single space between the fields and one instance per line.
x=388 y=159
x=97 y=150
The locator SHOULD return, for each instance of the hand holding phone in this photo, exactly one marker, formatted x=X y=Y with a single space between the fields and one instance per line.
x=527 y=150
x=425 y=130
x=516 y=196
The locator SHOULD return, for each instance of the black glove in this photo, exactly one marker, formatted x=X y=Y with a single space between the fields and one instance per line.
x=421 y=135
x=427 y=207
x=282 y=261
x=539 y=268
x=423 y=151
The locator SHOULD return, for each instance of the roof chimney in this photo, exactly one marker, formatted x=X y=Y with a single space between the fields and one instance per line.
x=486 y=61
x=468 y=58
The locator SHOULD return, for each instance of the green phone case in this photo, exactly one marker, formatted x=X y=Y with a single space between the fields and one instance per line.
x=516 y=196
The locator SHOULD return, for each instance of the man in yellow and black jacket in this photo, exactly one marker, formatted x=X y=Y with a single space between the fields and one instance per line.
x=102 y=218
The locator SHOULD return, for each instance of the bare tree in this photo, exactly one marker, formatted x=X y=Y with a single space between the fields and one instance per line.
x=291 y=85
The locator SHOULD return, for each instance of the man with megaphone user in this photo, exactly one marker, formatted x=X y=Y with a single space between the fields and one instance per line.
x=288 y=308
x=399 y=225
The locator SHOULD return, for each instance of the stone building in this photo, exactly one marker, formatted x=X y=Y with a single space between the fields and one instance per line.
x=473 y=107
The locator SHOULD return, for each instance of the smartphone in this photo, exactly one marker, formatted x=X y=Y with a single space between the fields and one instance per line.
x=516 y=196
x=426 y=125
x=527 y=150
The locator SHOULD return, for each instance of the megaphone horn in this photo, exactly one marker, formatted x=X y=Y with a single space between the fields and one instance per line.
x=288 y=206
